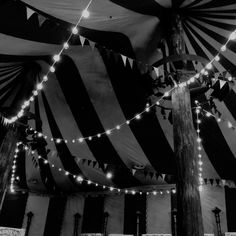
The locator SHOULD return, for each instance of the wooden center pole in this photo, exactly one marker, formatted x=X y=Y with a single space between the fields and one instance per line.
x=189 y=214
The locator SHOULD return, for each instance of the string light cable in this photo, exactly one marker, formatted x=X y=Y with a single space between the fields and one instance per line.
x=79 y=178
x=56 y=59
x=74 y=31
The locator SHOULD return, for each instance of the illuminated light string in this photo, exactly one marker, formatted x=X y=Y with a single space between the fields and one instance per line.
x=219 y=119
x=13 y=168
x=56 y=58
x=199 y=148
x=74 y=31
x=80 y=179
x=117 y=127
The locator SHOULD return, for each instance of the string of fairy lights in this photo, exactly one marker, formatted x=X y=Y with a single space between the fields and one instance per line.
x=79 y=178
x=56 y=59
x=75 y=31
x=199 y=148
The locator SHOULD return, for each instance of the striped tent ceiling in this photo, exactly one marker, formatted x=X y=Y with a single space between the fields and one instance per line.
x=92 y=91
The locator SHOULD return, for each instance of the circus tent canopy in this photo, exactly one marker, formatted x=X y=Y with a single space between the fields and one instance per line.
x=93 y=90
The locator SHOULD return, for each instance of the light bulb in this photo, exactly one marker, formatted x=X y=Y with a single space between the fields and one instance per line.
x=52 y=69
x=75 y=30
x=85 y=13
x=56 y=58
x=65 y=45
x=223 y=48
x=217 y=58
x=233 y=35
x=109 y=175
x=39 y=86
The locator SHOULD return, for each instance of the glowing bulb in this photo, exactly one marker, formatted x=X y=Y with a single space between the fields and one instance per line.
x=208 y=114
x=157 y=103
x=85 y=13
x=79 y=178
x=58 y=140
x=90 y=138
x=233 y=35
x=166 y=94
x=230 y=78
x=137 y=117
x=45 y=161
x=45 y=78
x=60 y=169
x=230 y=124
x=66 y=173
x=147 y=109
x=127 y=122
x=111 y=188
x=39 y=86
x=198 y=121
x=154 y=192
x=98 y=135
x=109 y=175
x=75 y=30
x=52 y=69
x=217 y=58
x=173 y=191
x=118 y=127
x=202 y=71
x=133 y=192
x=209 y=66
x=197 y=111
x=108 y=132
x=200 y=163
x=218 y=120
x=31 y=99
x=223 y=48
x=56 y=58
x=65 y=45
x=73 y=141
x=80 y=140
x=35 y=92
x=192 y=80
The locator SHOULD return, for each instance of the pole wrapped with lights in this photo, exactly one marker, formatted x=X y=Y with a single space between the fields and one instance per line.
x=199 y=148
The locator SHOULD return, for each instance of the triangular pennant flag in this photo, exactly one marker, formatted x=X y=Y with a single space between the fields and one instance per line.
x=156 y=71
x=222 y=83
x=163 y=176
x=211 y=181
x=41 y=20
x=105 y=166
x=217 y=182
x=89 y=162
x=82 y=39
x=157 y=175
x=29 y=12
x=94 y=163
x=124 y=59
x=151 y=174
x=131 y=62
x=133 y=171
x=92 y=44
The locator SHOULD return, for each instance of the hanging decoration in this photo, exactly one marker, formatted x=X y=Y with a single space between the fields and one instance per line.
x=199 y=148
x=75 y=31
x=81 y=179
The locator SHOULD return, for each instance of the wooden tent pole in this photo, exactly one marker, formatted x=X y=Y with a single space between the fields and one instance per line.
x=189 y=214
x=6 y=159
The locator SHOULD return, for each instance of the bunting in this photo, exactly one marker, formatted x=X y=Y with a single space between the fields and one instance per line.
x=29 y=12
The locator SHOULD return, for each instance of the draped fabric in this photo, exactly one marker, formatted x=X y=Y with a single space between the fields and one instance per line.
x=92 y=90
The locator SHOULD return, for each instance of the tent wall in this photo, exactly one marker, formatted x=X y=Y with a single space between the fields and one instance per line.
x=157 y=212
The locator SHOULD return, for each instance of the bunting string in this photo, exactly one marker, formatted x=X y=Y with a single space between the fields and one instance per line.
x=74 y=31
x=79 y=178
